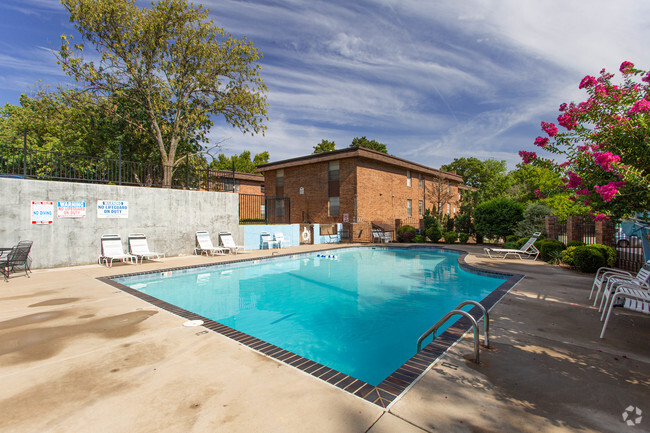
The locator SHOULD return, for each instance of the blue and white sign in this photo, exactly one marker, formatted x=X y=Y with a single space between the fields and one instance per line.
x=71 y=209
x=112 y=209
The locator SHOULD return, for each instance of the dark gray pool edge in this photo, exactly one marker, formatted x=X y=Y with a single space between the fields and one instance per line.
x=391 y=387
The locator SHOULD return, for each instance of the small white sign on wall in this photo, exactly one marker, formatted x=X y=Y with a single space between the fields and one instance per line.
x=71 y=209
x=112 y=209
x=42 y=212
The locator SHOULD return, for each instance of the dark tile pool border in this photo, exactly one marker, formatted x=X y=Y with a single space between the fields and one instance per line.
x=391 y=387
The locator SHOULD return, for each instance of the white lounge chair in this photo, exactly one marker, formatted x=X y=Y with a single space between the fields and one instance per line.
x=604 y=274
x=204 y=245
x=281 y=241
x=112 y=250
x=228 y=242
x=632 y=297
x=641 y=280
x=380 y=236
x=527 y=251
x=265 y=240
x=139 y=247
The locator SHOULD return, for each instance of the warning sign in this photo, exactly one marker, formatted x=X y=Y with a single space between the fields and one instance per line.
x=71 y=209
x=42 y=212
x=112 y=209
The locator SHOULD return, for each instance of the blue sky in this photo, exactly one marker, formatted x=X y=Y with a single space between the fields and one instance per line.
x=432 y=80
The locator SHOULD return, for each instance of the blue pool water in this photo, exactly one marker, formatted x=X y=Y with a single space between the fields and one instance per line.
x=360 y=312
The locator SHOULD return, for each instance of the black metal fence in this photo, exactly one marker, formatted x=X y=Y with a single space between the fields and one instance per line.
x=261 y=209
x=46 y=165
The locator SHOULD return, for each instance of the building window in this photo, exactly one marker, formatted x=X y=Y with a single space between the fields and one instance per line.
x=448 y=208
x=420 y=207
x=448 y=189
x=409 y=209
x=408 y=177
x=262 y=188
x=334 y=206
x=279 y=178
x=333 y=170
x=420 y=181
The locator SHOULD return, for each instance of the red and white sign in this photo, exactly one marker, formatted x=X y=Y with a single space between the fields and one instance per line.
x=71 y=209
x=346 y=218
x=42 y=212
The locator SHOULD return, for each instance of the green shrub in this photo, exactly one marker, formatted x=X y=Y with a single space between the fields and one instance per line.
x=406 y=233
x=555 y=257
x=510 y=246
x=463 y=237
x=534 y=219
x=575 y=244
x=567 y=255
x=587 y=259
x=511 y=238
x=418 y=239
x=497 y=217
x=520 y=242
x=450 y=237
x=609 y=253
x=547 y=247
x=434 y=233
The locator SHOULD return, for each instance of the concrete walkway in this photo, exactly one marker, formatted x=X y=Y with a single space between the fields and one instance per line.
x=79 y=355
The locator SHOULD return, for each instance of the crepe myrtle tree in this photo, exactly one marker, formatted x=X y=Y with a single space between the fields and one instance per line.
x=172 y=63
x=605 y=143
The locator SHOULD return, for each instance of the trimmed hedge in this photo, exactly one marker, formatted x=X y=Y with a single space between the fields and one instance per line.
x=587 y=259
x=567 y=255
x=406 y=233
x=434 y=233
x=546 y=246
x=575 y=244
x=608 y=253
x=463 y=237
x=419 y=239
x=450 y=237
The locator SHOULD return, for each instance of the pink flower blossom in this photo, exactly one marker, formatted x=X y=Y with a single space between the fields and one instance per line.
x=583 y=192
x=606 y=159
x=601 y=90
x=574 y=180
x=564 y=164
x=587 y=81
x=563 y=106
x=600 y=217
x=625 y=67
x=583 y=148
x=646 y=79
x=567 y=121
x=539 y=194
x=549 y=128
x=541 y=141
x=642 y=106
x=607 y=192
x=527 y=157
x=572 y=198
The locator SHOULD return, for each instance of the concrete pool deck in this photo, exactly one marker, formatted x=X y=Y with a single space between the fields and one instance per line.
x=79 y=355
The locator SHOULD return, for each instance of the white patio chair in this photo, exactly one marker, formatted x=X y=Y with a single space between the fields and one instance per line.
x=139 y=247
x=527 y=251
x=641 y=280
x=634 y=298
x=265 y=240
x=380 y=236
x=282 y=242
x=228 y=242
x=111 y=246
x=604 y=275
x=204 y=245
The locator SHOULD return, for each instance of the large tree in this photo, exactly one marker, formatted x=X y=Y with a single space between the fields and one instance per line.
x=368 y=144
x=242 y=162
x=172 y=63
x=324 y=146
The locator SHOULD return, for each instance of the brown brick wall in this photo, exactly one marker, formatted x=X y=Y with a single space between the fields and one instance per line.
x=250 y=187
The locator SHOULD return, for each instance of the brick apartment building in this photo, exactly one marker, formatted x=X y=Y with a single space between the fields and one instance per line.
x=357 y=185
x=245 y=183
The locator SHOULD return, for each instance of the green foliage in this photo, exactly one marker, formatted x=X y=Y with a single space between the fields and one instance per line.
x=555 y=257
x=534 y=220
x=243 y=162
x=406 y=233
x=511 y=238
x=608 y=253
x=419 y=239
x=434 y=233
x=463 y=237
x=464 y=221
x=324 y=146
x=567 y=255
x=548 y=248
x=575 y=244
x=510 y=245
x=368 y=144
x=171 y=63
x=450 y=237
x=497 y=217
x=488 y=179
x=587 y=259
x=521 y=242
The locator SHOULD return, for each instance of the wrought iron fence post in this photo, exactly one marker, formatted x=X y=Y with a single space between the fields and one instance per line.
x=233 y=174
x=187 y=171
x=119 y=161
x=25 y=153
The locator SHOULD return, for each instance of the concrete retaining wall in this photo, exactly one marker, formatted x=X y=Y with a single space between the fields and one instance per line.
x=169 y=219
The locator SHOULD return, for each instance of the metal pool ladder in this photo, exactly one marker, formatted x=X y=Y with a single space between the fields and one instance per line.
x=455 y=311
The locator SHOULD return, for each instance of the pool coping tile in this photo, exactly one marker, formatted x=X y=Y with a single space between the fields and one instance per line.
x=391 y=387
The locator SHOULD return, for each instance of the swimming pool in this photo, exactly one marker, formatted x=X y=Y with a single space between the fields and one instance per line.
x=358 y=311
